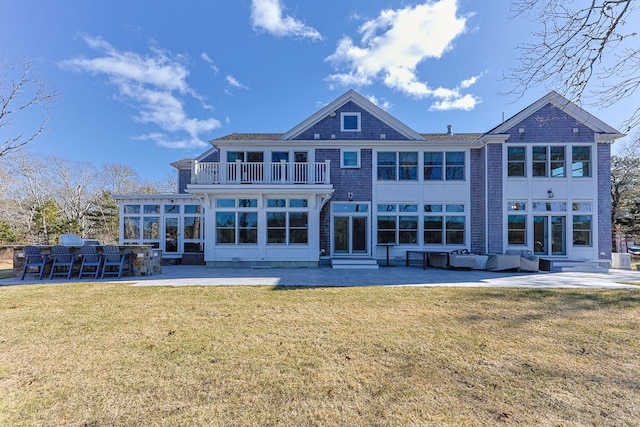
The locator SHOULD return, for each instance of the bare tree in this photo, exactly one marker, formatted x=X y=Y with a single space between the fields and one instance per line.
x=20 y=93
x=584 y=49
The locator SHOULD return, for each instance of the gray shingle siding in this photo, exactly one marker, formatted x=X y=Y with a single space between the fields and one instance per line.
x=494 y=198
x=184 y=178
x=478 y=201
x=550 y=125
x=371 y=127
x=604 y=200
x=349 y=180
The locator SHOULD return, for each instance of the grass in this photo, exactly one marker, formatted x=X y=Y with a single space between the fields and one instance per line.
x=111 y=354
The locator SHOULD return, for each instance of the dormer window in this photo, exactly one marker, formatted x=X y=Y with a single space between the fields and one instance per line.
x=350 y=122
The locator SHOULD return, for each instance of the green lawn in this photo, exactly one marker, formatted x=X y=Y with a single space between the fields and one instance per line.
x=111 y=354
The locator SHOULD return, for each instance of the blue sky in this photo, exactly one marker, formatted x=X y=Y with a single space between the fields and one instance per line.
x=145 y=83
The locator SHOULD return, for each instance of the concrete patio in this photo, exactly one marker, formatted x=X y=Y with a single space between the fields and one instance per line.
x=185 y=275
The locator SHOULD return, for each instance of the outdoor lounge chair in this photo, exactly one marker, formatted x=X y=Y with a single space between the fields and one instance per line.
x=91 y=261
x=34 y=259
x=63 y=261
x=116 y=261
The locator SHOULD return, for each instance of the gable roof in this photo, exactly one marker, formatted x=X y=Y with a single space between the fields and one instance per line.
x=567 y=107
x=365 y=104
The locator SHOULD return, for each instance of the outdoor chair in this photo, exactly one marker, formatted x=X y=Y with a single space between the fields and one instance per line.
x=63 y=261
x=115 y=261
x=34 y=260
x=91 y=261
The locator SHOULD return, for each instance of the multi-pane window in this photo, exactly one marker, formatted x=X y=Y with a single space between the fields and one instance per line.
x=581 y=161
x=238 y=224
x=539 y=161
x=516 y=161
x=192 y=228
x=448 y=165
x=516 y=229
x=548 y=161
x=398 y=224
x=582 y=230
x=454 y=161
x=393 y=166
x=287 y=226
x=433 y=166
x=444 y=224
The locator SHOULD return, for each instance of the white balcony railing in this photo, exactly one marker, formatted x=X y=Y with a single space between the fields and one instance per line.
x=260 y=173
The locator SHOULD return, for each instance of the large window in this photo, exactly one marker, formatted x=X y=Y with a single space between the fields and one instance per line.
x=398 y=224
x=448 y=165
x=402 y=166
x=444 y=224
x=581 y=161
x=582 y=230
x=192 y=229
x=287 y=226
x=516 y=161
x=236 y=221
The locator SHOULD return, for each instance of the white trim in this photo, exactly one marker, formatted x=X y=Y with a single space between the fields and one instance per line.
x=347 y=150
x=358 y=117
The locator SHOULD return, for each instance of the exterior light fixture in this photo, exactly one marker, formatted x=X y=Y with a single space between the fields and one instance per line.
x=550 y=194
x=521 y=131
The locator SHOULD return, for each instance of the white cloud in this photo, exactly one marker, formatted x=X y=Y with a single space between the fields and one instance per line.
x=268 y=15
x=209 y=61
x=385 y=105
x=395 y=43
x=156 y=84
x=234 y=82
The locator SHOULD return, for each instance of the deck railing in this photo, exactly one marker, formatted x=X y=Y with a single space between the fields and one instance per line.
x=260 y=173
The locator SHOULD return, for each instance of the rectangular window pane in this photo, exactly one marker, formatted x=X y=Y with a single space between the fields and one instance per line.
x=517 y=226
x=408 y=166
x=298 y=203
x=455 y=208
x=232 y=156
x=226 y=203
x=298 y=227
x=131 y=209
x=171 y=209
x=151 y=228
x=192 y=227
x=350 y=159
x=277 y=203
x=386 y=208
x=408 y=230
x=517 y=206
x=248 y=203
x=539 y=158
x=276 y=228
x=455 y=166
x=153 y=209
x=192 y=209
x=516 y=160
x=225 y=227
x=582 y=230
x=433 y=166
x=433 y=208
x=131 y=227
x=387 y=229
x=581 y=161
x=433 y=230
x=455 y=230
x=557 y=162
x=387 y=166
x=248 y=227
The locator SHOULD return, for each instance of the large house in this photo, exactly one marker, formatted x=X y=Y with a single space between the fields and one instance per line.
x=352 y=182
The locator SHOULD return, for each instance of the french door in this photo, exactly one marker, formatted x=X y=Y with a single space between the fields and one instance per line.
x=350 y=229
x=549 y=235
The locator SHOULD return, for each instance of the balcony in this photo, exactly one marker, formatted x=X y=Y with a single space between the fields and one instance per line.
x=207 y=173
